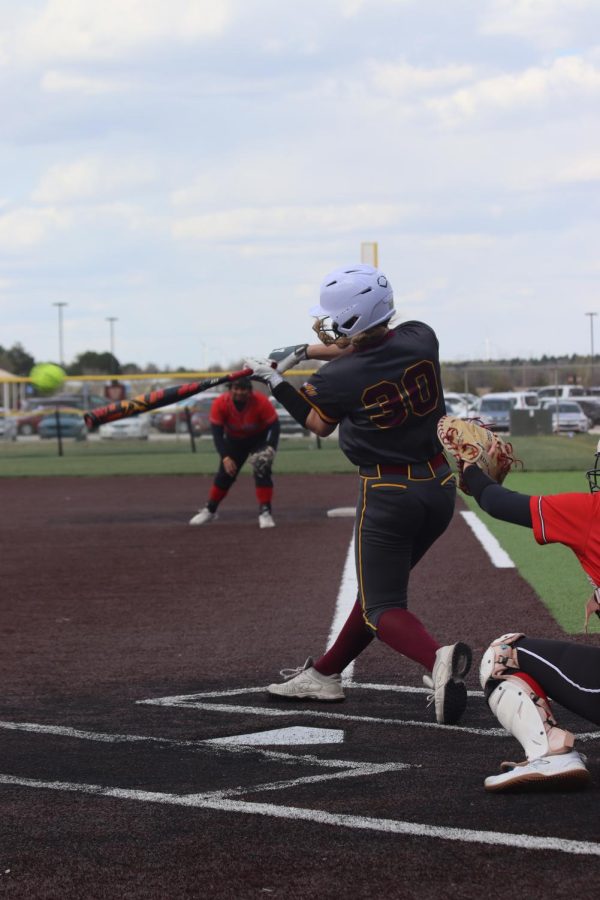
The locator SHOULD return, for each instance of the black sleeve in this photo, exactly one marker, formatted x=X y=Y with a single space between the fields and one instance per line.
x=496 y=500
x=218 y=433
x=293 y=401
x=272 y=436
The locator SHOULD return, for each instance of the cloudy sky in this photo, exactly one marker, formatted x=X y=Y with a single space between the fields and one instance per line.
x=194 y=167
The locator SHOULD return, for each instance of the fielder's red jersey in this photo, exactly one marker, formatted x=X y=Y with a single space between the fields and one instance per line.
x=256 y=416
x=572 y=520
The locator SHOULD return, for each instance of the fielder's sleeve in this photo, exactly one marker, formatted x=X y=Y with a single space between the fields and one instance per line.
x=218 y=411
x=563 y=519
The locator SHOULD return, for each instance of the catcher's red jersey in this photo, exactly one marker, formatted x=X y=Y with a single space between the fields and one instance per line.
x=257 y=415
x=573 y=520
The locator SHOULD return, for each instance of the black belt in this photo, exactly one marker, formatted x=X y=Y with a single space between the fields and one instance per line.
x=408 y=469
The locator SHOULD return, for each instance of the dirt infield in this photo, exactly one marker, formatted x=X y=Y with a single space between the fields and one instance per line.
x=131 y=641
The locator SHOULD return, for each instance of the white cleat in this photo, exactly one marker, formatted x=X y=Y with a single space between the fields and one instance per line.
x=448 y=688
x=204 y=517
x=305 y=683
x=266 y=520
x=565 y=770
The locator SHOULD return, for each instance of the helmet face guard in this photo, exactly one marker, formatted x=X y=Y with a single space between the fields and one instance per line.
x=593 y=475
x=352 y=300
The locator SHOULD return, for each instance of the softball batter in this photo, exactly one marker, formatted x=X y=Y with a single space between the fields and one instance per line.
x=382 y=386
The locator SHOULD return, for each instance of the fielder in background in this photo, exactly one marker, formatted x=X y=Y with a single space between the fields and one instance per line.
x=519 y=673
x=382 y=386
x=244 y=426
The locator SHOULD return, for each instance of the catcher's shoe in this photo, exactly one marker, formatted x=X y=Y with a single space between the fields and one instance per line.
x=265 y=519
x=449 y=692
x=566 y=771
x=305 y=683
x=204 y=517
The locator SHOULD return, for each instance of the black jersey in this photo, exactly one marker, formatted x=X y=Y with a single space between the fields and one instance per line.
x=386 y=397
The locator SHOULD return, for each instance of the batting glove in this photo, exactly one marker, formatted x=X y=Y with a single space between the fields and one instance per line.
x=288 y=357
x=264 y=370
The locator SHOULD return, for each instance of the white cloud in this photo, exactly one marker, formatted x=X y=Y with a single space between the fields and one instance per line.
x=55 y=82
x=92 y=178
x=75 y=30
x=23 y=228
x=401 y=78
x=544 y=22
x=568 y=78
x=581 y=170
x=275 y=222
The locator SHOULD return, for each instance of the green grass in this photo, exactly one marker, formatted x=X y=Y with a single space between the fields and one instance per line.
x=556 y=452
x=552 y=465
x=166 y=457
x=552 y=570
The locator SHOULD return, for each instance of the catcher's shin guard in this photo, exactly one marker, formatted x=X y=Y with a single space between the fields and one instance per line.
x=499 y=658
x=528 y=717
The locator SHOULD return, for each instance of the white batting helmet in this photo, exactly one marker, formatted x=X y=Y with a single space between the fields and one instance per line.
x=355 y=298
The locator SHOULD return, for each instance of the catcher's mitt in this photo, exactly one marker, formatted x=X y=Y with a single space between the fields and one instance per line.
x=262 y=460
x=469 y=441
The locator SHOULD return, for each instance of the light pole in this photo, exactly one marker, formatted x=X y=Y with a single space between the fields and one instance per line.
x=591 y=315
x=111 y=321
x=60 y=331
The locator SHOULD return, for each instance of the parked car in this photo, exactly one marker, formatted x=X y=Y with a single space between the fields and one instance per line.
x=287 y=423
x=122 y=429
x=28 y=422
x=561 y=391
x=494 y=409
x=591 y=407
x=460 y=404
x=567 y=415
x=173 y=419
x=8 y=426
x=72 y=401
x=72 y=425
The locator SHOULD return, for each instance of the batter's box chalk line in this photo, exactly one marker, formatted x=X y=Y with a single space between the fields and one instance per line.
x=208 y=700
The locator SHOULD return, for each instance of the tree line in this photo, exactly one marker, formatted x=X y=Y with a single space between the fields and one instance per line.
x=19 y=362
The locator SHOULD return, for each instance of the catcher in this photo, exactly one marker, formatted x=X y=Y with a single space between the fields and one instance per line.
x=245 y=426
x=519 y=673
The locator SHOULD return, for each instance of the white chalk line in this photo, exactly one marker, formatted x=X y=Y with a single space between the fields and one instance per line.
x=319 y=817
x=496 y=553
x=346 y=599
x=196 y=701
x=318 y=714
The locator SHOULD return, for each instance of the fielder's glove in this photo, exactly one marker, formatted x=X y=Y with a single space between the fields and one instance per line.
x=264 y=370
x=469 y=441
x=262 y=460
x=288 y=357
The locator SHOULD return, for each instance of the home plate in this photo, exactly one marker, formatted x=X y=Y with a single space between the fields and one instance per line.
x=282 y=736
x=342 y=512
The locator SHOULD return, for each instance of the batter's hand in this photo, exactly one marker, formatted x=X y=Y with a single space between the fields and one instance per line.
x=288 y=357
x=230 y=466
x=264 y=370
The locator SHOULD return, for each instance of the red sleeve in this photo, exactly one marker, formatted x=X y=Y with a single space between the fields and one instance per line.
x=218 y=410
x=265 y=409
x=562 y=519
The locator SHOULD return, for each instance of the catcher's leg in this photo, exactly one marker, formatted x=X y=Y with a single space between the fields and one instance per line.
x=521 y=706
x=568 y=671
